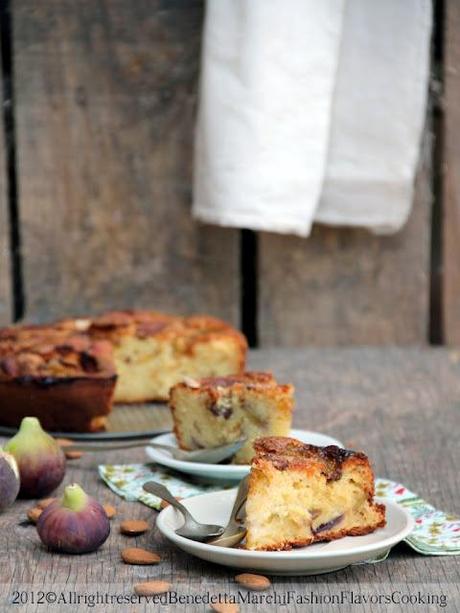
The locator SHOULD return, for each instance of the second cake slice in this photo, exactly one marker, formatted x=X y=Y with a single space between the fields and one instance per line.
x=218 y=410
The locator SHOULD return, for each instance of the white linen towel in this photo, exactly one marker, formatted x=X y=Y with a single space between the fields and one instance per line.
x=310 y=111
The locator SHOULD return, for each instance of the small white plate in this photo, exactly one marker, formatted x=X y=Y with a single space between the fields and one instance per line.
x=316 y=559
x=224 y=472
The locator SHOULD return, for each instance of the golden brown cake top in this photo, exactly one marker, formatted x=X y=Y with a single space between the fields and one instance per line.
x=249 y=380
x=77 y=347
x=285 y=453
x=263 y=383
x=46 y=351
x=139 y=323
x=21 y=333
x=185 y=331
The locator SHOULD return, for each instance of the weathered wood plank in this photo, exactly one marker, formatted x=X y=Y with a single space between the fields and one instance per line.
x=384 y=401
x=346 y=286
x=106 y=96
x=451 y=177
x=5 y=254
x=5 y=263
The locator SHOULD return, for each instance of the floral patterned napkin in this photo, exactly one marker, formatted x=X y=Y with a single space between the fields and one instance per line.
x=436 y=533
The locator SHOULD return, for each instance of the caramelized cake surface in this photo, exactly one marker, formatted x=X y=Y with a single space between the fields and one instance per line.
x=57 y=374
x=217 y=410
x=300 y=494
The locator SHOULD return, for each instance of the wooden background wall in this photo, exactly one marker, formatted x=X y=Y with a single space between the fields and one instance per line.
x=95 y=191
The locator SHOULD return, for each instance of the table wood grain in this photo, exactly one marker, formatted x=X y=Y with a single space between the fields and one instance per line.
x=401 y=406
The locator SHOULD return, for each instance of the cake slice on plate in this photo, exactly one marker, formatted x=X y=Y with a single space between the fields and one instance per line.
x=300 y=494
x=215 y=411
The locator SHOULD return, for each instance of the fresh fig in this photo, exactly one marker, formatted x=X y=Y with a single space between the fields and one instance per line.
x=40 y=460
x=9 y=480
x=74 y=524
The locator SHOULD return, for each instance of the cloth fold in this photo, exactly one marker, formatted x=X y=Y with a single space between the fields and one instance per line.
x=436 y=533
x=310 y=111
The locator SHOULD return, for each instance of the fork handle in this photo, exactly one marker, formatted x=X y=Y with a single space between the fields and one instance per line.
x=115 y=446
x=107 y=446
x=241 y=497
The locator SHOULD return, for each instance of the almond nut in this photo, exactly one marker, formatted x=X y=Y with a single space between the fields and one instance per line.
x=190 y=382
x=253 y=582
x=150 y=588
x=136 y=555
x=225 y=607
x=64 y=442
x=42 y=504
x=133 y=527
x=33 y=514
x=110 y=510
x=72 y=455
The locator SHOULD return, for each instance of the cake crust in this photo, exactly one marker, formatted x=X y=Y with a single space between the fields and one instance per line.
x=56 y=374
x=286 y=453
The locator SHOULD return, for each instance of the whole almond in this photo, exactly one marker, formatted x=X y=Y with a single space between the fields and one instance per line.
x=133 y=527
x=64 y=442
x=66 y=445
x=136 y=555
x=110 y=510
x=150 y=588
x=42 y=504
x=33 y=514
x=72 y=455
x=253 y=582
x=190 y=382
x=225 y=607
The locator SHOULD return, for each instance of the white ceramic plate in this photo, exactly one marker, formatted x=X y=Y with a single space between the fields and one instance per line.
x=215 y=508
x=224 y=472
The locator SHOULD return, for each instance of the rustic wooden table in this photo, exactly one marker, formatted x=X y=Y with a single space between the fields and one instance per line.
x=401 y=406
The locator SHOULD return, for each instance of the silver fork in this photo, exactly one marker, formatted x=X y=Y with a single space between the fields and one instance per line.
x=211 y=455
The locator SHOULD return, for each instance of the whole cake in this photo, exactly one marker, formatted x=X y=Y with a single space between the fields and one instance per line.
x=214 y=411
x=57 y=374
x=300 y=494
x=68 y=373
x=153 y=351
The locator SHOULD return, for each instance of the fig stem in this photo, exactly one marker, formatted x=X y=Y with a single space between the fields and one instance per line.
x=74 y=498
x=29 y=424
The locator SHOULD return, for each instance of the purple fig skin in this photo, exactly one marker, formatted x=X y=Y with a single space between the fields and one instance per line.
x=9 y=480
x=40 y=459
x=80 y=527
